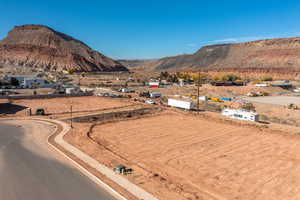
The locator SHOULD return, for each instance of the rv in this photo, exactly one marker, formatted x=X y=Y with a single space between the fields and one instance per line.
x=241 y=114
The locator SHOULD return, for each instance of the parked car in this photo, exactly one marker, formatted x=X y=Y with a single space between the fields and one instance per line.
x=40 y=111
x=150 y=101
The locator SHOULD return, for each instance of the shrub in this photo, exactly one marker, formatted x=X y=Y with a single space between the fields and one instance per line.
x=266 y=78
x=257 y=81
x=14 y=82
x=226 y=77
x=202 y=77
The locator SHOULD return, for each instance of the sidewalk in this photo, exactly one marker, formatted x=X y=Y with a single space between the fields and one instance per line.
x=109 y=173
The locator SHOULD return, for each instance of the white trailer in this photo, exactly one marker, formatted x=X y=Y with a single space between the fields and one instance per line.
x=241 y=114
x=180 y=104
x=261 y=85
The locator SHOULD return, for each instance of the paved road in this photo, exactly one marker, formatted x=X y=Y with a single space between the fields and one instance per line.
x=30 y=170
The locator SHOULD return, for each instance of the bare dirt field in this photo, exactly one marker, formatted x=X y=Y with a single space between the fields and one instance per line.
x=218 y=91
x=181 y=156
x=278 y=114
x=55 y=106
x=276 y=100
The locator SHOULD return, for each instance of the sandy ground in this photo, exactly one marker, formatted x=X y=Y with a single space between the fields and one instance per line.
x=211 y=91
x=276 y=100
x=200 y=158
x=56 y=106
x=277 y=112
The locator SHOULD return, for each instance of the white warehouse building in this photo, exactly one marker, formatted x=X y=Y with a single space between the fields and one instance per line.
x=241 y=114
x=33 y=83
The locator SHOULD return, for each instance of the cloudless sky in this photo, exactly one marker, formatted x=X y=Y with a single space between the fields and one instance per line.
x=156 y=28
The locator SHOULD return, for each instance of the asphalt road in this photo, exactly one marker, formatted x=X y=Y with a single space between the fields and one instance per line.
x=30 y=170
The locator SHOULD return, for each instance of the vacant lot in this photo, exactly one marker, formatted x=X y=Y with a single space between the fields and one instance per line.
x=276 y=100
x=190 y=157
x=79 y=104
x=211 y=91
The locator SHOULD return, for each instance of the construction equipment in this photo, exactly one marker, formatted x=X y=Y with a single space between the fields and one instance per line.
x=122 y=169
x=292 y=106
x=216 y=99
x=252 y=94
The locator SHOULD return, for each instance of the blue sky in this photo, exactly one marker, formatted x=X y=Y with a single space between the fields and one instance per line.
x=156 y=28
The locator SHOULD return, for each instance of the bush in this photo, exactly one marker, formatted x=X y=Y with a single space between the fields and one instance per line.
x=232 y=77
x=257 y=81
x=202 y=77
x=266 y=78
x=14 y=82
x=263 y=118
x=226 y=77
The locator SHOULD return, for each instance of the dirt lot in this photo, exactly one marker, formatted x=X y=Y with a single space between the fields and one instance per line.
x=276 y=100
x=55 y=106
x=200 y=158
x=218 y=91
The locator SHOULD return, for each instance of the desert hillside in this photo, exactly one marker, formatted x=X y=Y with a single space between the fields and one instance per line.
x=39 y=46
x=272 y=55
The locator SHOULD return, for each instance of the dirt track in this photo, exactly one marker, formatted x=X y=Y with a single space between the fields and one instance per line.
x=205 y=159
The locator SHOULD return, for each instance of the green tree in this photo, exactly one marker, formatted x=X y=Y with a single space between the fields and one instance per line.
x=266 y=78
x=14 y=81
x=164 y=75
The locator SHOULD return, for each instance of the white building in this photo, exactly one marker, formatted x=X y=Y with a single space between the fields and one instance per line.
x=72 y=90
x=154 y=84
x=33 y=83
x=27 y=81
x=241 y=114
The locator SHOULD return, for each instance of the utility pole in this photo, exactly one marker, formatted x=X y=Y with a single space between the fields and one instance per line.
x=198 y=87
x=71 y=108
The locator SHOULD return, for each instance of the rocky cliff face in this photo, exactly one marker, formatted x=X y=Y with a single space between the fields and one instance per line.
x=264 y=55
x=41 y=47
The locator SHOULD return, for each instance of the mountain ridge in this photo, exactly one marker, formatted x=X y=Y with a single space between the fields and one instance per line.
x=265 y=54
x=39 y=46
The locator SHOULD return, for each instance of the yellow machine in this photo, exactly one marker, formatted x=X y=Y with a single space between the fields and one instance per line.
x=216 y=99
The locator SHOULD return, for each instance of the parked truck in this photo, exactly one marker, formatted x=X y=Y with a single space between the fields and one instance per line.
x=155 y=95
